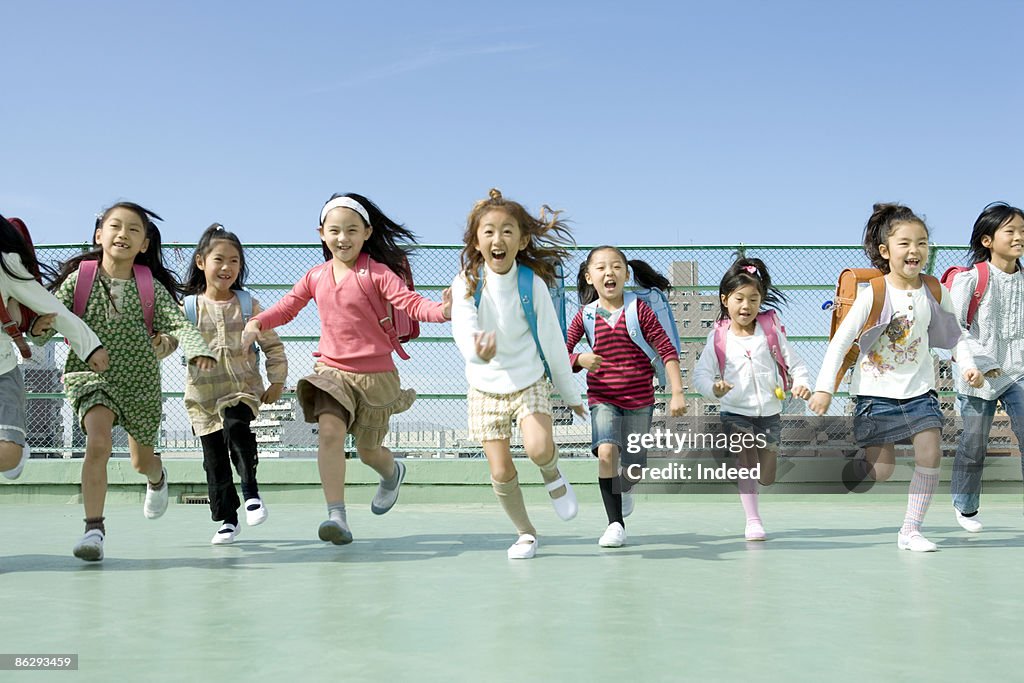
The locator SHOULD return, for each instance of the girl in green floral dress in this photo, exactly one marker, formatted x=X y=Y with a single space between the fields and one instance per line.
x=128 y=394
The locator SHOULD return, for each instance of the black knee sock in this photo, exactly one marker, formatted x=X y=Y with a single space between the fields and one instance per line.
x=612 y=501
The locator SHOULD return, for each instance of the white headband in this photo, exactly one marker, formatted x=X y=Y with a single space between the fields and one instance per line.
x=347 y=203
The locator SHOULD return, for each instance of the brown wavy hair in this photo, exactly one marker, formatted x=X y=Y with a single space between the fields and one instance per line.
x=544 y=252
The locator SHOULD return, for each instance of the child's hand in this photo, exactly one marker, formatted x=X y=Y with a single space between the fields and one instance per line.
x=677 y=405
x=204 y=363
x=819 y=403
x=251 y=332
x=42 y=324
x=486 y=345
x=802 y=392
x=446 y=299
x=164 y=345
x=99 y=361
x=994 y=372
x=721 y=388
x=974 y=377
x=272 y=394
x=580 y=410
x=590 y=361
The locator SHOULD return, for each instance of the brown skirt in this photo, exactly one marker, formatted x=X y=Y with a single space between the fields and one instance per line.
x=364 y=401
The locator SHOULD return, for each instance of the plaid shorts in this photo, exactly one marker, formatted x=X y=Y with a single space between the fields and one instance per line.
x=491 y=415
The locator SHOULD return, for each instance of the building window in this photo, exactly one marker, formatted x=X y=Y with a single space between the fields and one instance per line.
x=686 y=323
x=711 y=409
x=706 y=306
x=707 y=324
x=686 y=306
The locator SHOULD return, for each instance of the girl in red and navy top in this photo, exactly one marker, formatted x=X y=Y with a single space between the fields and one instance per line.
x=620 y=390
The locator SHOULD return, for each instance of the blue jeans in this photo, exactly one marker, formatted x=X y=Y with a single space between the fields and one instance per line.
x=978 y=414
x=611 y=424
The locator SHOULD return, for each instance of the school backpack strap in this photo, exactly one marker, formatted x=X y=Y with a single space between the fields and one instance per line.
x=979 y=291
x=589 y=317
x=245 y=303
x=13 y=330
x=934 y=286
x=377 y=305
x=877 y=285
x=83 y=285
x=144 y=283
x=636 y=334
x=769 y=321
x=720 y=340
x=191 y=309
x=525 y=283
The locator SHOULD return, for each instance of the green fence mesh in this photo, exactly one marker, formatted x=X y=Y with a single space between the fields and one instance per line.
x=436 y=424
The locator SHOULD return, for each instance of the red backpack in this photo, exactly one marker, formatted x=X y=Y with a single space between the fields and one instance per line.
x=17 y=330
x=979 y=289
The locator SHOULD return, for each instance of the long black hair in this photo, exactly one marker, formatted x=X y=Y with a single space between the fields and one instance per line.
x=195 y=281
x=152 y=257
x=11 y=242
x=749 y=271
x=385 y=244
x=643 y=274
x=884 y=218
x=993 y=217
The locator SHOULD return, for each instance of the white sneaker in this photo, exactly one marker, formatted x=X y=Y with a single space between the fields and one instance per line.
x=627 y=504
x=524 y=548
x=90 y=548
x=970 y=524
x=15 y=471
x=225 y=534
x=566 y=506
x=754 y=530
x=255 y=511
x=915 y=542
x=156 y=499
x=613 y=537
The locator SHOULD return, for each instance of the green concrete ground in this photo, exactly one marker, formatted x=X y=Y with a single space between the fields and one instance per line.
x=425 y=593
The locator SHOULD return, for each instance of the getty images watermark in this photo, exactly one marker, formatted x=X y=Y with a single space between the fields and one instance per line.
x=688 y=442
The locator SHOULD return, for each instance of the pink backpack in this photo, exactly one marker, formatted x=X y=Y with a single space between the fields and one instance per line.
x=395 y=322
x=979 y=289
x=770 y=326
x=143 y=280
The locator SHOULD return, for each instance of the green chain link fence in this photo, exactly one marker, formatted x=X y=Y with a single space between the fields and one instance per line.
x=436 y=424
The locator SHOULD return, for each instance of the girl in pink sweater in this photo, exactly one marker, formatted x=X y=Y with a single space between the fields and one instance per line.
x=354 y=388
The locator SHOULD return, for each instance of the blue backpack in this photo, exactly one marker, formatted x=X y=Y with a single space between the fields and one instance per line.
x=244 y=300
x=525 y=285
x=658 y=302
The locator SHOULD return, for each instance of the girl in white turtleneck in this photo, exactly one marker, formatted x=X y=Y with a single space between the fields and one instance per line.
x=514 y=350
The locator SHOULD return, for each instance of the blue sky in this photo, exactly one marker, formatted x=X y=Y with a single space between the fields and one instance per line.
x=647 y=122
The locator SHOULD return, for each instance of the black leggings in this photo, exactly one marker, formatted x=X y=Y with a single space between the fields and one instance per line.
x=234 y=444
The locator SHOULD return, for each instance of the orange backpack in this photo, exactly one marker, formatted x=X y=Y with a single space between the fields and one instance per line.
x=849 y=284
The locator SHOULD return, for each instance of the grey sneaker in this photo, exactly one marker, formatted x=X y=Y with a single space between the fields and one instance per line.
x=385 y=499
x=335 y=532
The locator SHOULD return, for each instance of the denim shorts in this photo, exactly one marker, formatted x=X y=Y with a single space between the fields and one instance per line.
x=878 y=421
x=614 y=425
x=769 y=425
